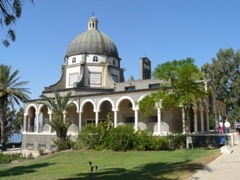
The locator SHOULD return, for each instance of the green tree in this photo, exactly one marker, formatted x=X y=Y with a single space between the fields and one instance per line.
x=14 y=121
x=179 y=88
x=58 y=105
x=10 y=91
x=10 y=11
x=225 y=74
x=131 y=79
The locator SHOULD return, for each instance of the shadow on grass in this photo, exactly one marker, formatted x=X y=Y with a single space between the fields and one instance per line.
x=153 y=171
x=23 y=169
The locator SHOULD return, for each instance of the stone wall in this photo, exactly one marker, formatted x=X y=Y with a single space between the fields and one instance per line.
x=38 y=141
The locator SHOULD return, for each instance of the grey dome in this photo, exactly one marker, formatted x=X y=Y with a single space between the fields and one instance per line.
x=93 y=42
x=93 y=18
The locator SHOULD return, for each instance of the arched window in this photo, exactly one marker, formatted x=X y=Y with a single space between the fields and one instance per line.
x=114 y=62
x=95 y=59
x=73 y=60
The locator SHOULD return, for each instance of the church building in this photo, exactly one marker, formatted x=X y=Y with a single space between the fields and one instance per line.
x=93 y=73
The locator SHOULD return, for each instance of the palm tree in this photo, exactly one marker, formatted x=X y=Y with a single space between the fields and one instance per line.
x=58 y=105
x=10 y=91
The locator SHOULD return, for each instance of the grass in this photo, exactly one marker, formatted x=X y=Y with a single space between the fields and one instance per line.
x=130 y=165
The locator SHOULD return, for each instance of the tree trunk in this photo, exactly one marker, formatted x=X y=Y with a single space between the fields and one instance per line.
x=2 y=121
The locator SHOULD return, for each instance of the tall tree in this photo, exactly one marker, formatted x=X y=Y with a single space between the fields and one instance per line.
x=10 y=11
x=179 y=89
x=14 y=121
x=10 y=91
x=225 y=74
x=58 y=105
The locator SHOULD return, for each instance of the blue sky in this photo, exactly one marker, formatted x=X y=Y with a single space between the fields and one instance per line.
x=162 y=30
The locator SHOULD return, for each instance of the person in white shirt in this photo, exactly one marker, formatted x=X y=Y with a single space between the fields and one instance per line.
x=227 y=126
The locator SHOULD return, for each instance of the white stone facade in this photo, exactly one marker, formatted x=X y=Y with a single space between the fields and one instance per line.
x=97 y=84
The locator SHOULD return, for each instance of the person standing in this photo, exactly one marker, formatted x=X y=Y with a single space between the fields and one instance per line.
x=227 y=126
x=237 y=126
x=220 y=127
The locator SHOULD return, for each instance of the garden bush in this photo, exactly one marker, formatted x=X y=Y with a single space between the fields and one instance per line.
x=144 y=140
x=123 y=138
x=176 y=141
x=8 y=158
x=64 y=144
x=91 y=137
x=41 y=151
x=95 y=136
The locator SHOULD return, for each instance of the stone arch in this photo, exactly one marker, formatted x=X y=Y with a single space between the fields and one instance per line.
x=72 y=115
x=125 y=107
x=88 y=112
x=139 y=99
x=104 y=107
x=102 y=100
x=31 y=118
x=124 y=98
x=42 y=115
x=87 y=101
x=29 y=106
x=75 y=103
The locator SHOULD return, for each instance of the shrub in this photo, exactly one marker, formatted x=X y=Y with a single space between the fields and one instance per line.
x=161 y=143
x=95 y=137
x=121 y=138
x=30 y=156
x=63 y=144
x=8 y=158
x=89 y=136
x=41 y=151
x=143 y=140
x=176 y=141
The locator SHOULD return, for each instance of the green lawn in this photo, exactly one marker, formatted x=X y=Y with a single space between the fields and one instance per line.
x=111 y=165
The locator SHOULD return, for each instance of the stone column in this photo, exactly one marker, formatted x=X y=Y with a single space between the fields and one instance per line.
x=96 y=117
x=183 y=122
x=207 y=118
x=195 y=120
x=158 y=106
x=25 y=123
x=37 y=123
x=115 y=118
x=159 y=120
x=50 y=119
x=136 y=120
x=201 y=116
x=79 y=121
x=29 y=127
x=215 y=121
